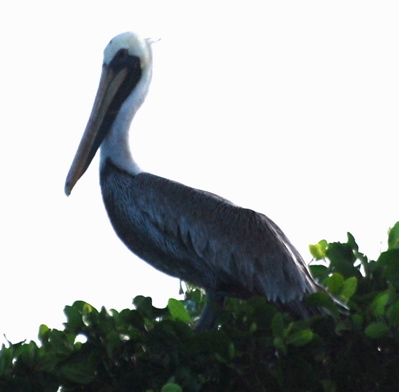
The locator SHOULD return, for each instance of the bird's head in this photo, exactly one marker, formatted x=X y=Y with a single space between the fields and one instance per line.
x=125 y=78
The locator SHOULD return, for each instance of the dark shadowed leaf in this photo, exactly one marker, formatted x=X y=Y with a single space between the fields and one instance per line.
x=171 y=387
x=390 y=261
x=376 y=330
x=78 y=370
x=342 y=259
x=280 y=345
x=74 y=318
x=277 y=325
x=393 y=314
x=321 y=299
x=319 y=272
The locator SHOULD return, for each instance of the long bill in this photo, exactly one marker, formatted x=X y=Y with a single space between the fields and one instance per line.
x=92 y=138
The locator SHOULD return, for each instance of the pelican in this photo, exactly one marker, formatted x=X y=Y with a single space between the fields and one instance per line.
x=184 y=232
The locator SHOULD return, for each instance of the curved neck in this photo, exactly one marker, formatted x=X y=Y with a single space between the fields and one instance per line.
x=116 y=143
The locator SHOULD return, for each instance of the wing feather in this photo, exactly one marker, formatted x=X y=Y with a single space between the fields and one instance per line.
x=204 y=239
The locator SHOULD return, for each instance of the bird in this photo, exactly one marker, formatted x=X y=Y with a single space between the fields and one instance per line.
x=194 y=235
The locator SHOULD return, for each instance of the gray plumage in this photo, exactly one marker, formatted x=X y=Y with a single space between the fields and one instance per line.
x=206 y=240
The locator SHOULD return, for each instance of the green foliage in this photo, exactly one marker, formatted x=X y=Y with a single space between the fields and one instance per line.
x=393 y=237
x=255 y=348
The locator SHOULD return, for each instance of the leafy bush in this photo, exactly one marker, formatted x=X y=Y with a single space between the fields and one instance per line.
x=256 y=348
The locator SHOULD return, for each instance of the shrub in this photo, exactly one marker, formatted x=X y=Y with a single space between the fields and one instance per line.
x=255 y=348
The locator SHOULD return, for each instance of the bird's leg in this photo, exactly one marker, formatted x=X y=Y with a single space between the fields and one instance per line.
x=210 y=311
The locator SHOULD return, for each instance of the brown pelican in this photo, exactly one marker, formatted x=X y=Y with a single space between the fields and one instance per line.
x=188 y=233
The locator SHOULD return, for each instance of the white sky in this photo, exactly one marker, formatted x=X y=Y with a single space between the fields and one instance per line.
x=289 y=108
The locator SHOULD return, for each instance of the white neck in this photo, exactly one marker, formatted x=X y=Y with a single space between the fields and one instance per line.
x=116 y=144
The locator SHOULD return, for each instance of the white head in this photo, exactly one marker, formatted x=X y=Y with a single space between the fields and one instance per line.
x=124 y=83
x=133 y=43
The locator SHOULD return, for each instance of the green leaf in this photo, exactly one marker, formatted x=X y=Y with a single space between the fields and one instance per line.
x=83 y=307
x=44 y=331
x=393 y=314
x=6 y=361
x=253 y=327
x=78 y=371
x=28 y=353
x=319 y=250
x=376 y=330
x=87 y=308
x=352 y=242
x=390 y=261
x=215 y=341
x=178 y=311
x=318 y=271
x=349 y=288
x=358 y=320
x=144 y=305
x=147 y=310
x=74 y=317
x=335 y=283
x=280 y=345
x=171 y=387
x=60 y=343
x=379 y=303
x=300 y=338
x=342 y=259
x=232 y=350
x=277 y=325
x=112 y=343
x=393 y=237
x=322 y=299
x=328 y=385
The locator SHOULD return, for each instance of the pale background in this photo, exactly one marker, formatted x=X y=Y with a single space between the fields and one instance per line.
x=289 y=108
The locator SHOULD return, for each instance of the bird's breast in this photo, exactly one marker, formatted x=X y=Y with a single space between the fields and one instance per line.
x=144 y=217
